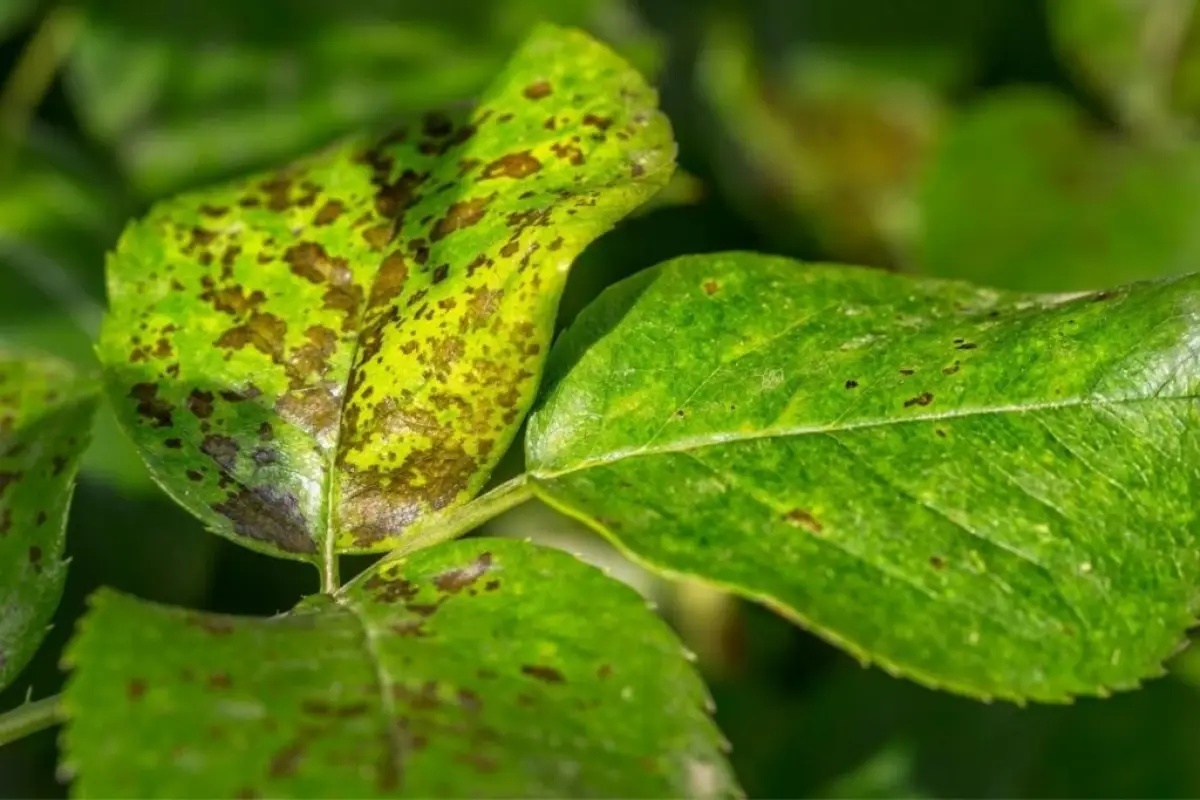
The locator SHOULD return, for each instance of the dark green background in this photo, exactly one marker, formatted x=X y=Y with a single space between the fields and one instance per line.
x=961 y=138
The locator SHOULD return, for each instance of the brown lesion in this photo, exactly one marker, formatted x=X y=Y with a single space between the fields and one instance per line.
x=514 y=165
x=538 y=90
x=267 y=514
x=460 y=215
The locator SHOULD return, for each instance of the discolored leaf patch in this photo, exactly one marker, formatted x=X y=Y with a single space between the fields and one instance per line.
x=45 y=418
x=416 y=680
x=312 y=359
x=991 y=492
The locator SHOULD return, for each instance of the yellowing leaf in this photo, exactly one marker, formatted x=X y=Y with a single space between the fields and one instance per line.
x=313 y=358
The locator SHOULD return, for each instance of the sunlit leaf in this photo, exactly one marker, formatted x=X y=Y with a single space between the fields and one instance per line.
x=313 y=358
x=480 y=668
x=45 y=416
x=990 y=492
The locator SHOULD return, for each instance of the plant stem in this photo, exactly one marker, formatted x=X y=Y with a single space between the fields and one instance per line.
x=442 y=528
x=30 y=718
x=330 y=579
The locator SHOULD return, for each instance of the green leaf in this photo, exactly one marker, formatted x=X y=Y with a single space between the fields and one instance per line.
x=14 y=13
x=1142 y=55
x=314 y=358
x=995 y=493
x=59 y=213
x=481 y=667
x=208 y=90
x=45 y=414
x=1022 y=194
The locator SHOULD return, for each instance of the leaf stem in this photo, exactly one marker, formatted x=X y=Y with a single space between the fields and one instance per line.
x=444 y=527
x=30 y=718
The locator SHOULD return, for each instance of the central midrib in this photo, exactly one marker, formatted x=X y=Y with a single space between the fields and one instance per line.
x=711 y=440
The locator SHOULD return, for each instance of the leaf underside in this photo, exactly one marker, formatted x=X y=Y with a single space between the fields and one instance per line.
x=313 y=358
x=988 y=492
x=480 y=667
x=45 y=418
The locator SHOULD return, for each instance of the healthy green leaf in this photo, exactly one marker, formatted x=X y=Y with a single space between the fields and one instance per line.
x=1021 y=194
x=45 y=415
x=991 y=492
x=208 y=90
x=481 y=668
x=1142 y=55
x=314 y=358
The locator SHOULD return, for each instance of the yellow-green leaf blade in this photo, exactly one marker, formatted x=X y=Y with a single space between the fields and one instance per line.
x=314 y=358
x=476 y=668
x=987 y=491
x=45 y=417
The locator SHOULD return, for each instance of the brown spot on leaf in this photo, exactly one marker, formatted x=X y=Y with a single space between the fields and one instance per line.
x=937 y=562
x=538 y=90
x=268 y=514
x=263 y=332
x=455 y=580
x=923 y=399
x=150 y=406
x=135 y=689
x=221 y=449
x=329 y=213
x=200 y=403
x=460 y=215
x=389 y=282
x=804 y=519
x=514 y=165
x=711 y=287
x=543 y=673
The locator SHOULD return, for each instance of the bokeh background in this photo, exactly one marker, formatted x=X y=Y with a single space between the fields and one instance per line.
x=1031 y=144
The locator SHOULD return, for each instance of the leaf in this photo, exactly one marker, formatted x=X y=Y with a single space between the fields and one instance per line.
x=1142 y=55
x=59 y=213
x=14 y=13
x=1022 y=194
x=989 y=492
x=209 y=90
x=314 y=358
x=45 y=416
x=481 y=667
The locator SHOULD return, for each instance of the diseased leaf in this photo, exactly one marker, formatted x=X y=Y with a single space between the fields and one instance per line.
x=1021 y=193
x=990 y=492
x=204 y=91
x=45 y=415
x=352 y=342
x=1142 y=55
x=481 y=667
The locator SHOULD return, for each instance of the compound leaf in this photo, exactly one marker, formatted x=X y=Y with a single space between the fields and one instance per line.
x=45 y=417
x=481 y=667
x=313 y=358
x=986 y=491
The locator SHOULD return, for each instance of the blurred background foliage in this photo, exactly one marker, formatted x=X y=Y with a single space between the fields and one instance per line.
x=1045 y=145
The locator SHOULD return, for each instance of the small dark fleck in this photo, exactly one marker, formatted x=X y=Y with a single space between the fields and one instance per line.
x=851 y=384
x=937 y=562
x=547 y=674
x=804 y=519
x=923 y=399
x=135 y=689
